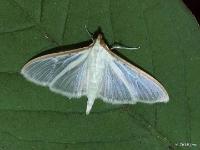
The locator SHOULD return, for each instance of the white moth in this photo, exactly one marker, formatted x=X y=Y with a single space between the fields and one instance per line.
x=96 y=72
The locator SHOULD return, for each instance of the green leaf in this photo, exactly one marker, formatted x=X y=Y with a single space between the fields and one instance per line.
x=32 y=117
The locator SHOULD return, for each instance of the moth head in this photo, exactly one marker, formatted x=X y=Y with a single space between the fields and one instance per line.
x=100 y=40
x=99 y=37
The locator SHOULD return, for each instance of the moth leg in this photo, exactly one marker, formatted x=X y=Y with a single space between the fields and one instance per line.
x=119 y=46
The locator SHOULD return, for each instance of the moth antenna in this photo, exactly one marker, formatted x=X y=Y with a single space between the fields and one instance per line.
x=89 y=33
x=118 y=46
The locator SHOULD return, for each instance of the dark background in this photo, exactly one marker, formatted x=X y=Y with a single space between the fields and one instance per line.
x=194 y=6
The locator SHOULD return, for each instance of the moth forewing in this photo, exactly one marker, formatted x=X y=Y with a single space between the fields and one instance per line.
x=142 y=73
x=164 y=98
x=35 y=73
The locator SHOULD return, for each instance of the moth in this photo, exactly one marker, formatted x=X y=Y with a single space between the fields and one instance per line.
x=94 y=71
